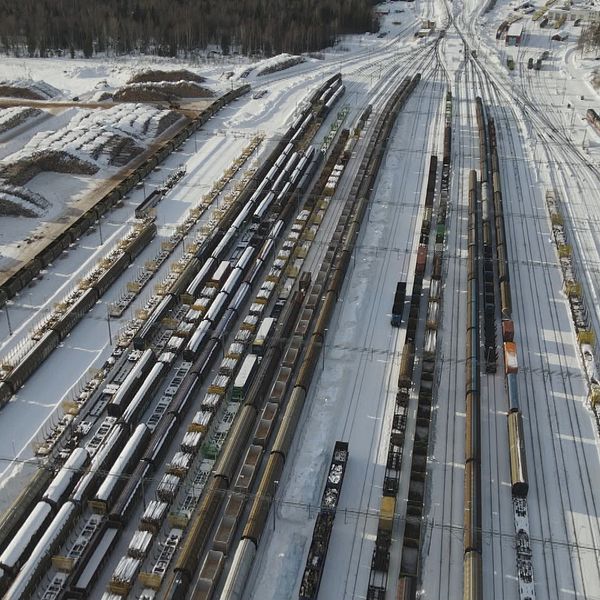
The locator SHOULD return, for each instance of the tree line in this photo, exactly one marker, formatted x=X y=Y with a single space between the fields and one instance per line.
x=590 y=38
x=178 y=27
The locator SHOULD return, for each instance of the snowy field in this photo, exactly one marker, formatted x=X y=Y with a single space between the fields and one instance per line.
x=560 y=430
x=544 y=143
x=206 y=155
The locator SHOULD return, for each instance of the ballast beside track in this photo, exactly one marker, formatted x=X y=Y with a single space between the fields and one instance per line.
x=337 y=260
x=112 y=451
x=472 y=511
x=517 y=457
x=414 y=532
x=17 y=279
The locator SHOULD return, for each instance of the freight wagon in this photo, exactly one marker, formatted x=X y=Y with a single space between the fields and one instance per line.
x=317 y=554
x=71 y=233
x=245 y=377
x=398 y=306
x=262 y=335
x=63 y=323
x=143 y=209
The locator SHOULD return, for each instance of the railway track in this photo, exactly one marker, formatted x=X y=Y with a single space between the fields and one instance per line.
x=374 y=59
x=576 y=182
x=543 y=397
x=556 y=145
x=524 y=565
x=395 y=224
x=377 y=100
x=566 y=168
x=496 y=504
x=387 y=50
x=380 y=71
x=314 y=203
x=81 y=494
x=554 y=387
x=473 y=586
x=517 y=235
x=357 y=388
x=284 y=517
x=554 y=318
x=449 y=500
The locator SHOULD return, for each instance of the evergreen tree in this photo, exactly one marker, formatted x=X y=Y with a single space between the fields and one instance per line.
x=174 y=27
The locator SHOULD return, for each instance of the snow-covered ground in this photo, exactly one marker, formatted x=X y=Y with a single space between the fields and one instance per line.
x=540 y=118
x=206 y=155
x=561 y=439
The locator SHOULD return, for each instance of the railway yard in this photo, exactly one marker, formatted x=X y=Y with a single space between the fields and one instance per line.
x=324 y=330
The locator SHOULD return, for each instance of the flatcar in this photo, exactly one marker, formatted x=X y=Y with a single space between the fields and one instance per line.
x=518 y=464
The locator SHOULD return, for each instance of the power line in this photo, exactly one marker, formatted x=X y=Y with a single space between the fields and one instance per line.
x=348 y=512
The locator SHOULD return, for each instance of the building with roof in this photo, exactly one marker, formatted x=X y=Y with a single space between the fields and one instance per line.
x=587 y=14
x=514 y=35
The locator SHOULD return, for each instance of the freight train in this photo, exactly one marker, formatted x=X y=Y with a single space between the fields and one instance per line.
x=413 y=535
x=20 y=509
x=23 y=541
x=574 y=291
x=336 y=264
x=472 y=538
x=398 y=305
x=516 y=442
x=57 y=329
x=252 y=204
x=73 y=232
x=412 y=540
x=317 y=553
x=133 y=396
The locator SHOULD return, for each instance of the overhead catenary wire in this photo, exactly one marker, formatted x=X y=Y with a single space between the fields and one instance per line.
x=356 y=512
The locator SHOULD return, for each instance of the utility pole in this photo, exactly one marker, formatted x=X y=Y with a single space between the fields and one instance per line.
x=10 y=331
x=5 y=298
x=109 y=330
x=274 y=506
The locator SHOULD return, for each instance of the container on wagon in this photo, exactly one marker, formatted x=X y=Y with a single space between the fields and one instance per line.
x=511 y=364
